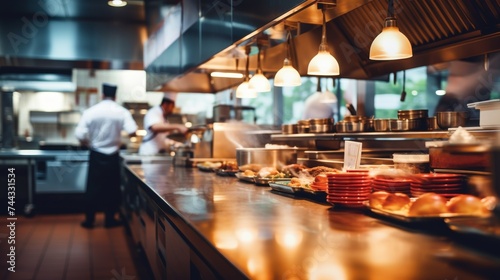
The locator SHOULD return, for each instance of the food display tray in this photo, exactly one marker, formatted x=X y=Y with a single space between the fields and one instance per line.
x=242 y=177
x=420 y=219
x=204 y=168
x=224 y=172
x=282 y=187
x=266 y=181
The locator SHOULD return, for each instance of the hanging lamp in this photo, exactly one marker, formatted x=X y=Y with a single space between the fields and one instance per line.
x=244 y=90
x=259 y=82
x=390 y=44
x=323 y=64
x=287 y=76
x=117 y=3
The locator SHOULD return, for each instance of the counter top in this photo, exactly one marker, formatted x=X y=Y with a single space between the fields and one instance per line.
x=270 y=236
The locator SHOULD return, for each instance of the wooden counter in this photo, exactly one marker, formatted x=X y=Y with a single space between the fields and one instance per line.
x=238 y=230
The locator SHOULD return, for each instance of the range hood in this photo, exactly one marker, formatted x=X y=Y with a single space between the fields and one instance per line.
x=439 y=31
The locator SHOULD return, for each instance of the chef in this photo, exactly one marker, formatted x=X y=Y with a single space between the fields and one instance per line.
x=158 y=128
x=100 y=129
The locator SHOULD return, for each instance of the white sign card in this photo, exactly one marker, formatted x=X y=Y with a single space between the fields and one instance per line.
x=352 y=154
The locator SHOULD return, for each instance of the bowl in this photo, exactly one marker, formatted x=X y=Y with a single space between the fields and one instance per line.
x=408 y=125
x=289 y=128
x=450 y=119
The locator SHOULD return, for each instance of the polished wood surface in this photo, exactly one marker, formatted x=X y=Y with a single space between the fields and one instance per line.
x=271 y=236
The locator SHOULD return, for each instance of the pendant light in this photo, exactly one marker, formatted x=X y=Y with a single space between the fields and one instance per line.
x=287 y=76
x=244 y=90
x=323 y=64
x=117 y=3
x=390 y=44
x=259 y=82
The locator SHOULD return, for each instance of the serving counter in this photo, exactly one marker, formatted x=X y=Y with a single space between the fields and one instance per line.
x=195 y=224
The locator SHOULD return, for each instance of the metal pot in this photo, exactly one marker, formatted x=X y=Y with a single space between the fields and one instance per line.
x=381 y=125
x=408 y=125
x=266 y=157
x=446 y=120
x=348 y=126
x=289 y=128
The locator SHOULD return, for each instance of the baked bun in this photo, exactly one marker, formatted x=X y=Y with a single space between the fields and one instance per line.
x=428 y=204
x=377 y=199
x=396 y=201
x=466 y=204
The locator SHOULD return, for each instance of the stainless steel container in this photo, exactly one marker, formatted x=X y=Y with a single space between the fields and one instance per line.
x=320 y=128
x=381 y=125
x=348 y=126
x=266 y=157
x=408 y=125
x=289 y=128
x=446 y=120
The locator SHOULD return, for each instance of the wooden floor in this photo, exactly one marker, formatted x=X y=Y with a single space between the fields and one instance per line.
x=57 y=247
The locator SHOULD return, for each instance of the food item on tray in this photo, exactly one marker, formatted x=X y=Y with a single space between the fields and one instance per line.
x=292 y=170
x=428 y=204
x=229 y=165
x=377 y=199
x=295 y=182
x=315 y=171
x=210 y=164
x=467 y=204
x=249 y=173
x=396 y=201
x=251 y=166
x=270 y=173
x=320 y=183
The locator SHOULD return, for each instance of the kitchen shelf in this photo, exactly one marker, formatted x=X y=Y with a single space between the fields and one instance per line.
x=364 y=135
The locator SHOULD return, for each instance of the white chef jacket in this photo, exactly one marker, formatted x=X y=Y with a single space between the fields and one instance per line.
x=152 y=143
x=316 y=108
x=102 y=124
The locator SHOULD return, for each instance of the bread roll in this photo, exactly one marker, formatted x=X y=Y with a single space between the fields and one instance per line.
x=396 y=201
x=466 y=204
x=428 y=204
x=377 y=199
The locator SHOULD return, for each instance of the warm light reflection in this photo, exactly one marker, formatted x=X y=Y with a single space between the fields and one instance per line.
x=143 y=111
x=225 y=240
x=231 y=75
x=188 y=124
x=133 y=139
x=219 y=197
x=246 y=235
x=289 y=237
x=327 y=271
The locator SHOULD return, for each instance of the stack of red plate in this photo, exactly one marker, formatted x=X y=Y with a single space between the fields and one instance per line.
x=445 y=184
x=320 y=183
x=349 y=189
x=391 y=185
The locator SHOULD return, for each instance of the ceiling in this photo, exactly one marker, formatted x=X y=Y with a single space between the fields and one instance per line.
x=72 y=34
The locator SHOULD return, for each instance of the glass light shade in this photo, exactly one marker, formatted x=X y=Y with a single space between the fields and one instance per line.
x=244 y=91
x=390 y=44
x=117 y=3
x=260 y=83
x=287 y=76
x=323 y=64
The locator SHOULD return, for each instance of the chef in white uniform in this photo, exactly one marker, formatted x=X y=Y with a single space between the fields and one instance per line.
x=158 y=128
x=320 y=105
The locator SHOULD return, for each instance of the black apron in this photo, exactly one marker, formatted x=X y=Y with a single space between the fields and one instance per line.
x=103 y=182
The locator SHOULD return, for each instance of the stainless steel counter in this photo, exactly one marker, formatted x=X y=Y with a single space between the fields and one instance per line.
x=270 y=236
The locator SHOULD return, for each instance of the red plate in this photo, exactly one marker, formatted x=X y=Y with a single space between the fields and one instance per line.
x=436 y=186
x=349 y=193
x=395 y=180
x=347 y=175
x=438 y=176
x=391 y=186
x=448 y=190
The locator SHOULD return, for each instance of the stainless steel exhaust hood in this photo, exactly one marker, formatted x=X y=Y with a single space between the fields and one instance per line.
x=439 y=31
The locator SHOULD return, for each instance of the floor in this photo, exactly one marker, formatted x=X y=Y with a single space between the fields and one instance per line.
x=55 y=246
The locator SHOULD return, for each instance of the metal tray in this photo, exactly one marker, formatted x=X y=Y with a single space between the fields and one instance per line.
x=420 y=219
x=283 y=187
x=485 y=227
x=240 y=176
x=266 y=181
x=224 y=172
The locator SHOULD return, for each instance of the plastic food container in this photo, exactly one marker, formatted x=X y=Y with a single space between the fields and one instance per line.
x=489 y=112
x=413 y=163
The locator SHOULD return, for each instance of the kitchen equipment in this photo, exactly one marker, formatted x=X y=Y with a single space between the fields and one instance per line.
x=321 y=125
x=182 y=156
x=351 y=109
x=432 y=123
x=413 y=163
x=266 y=157
x=489 y=113
x=350 y=126
x=303 y=126
x=413 y=114
x=403 y=93
x=381 y=125
x=450 y=119
x=408 y=124
x=289 y=128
